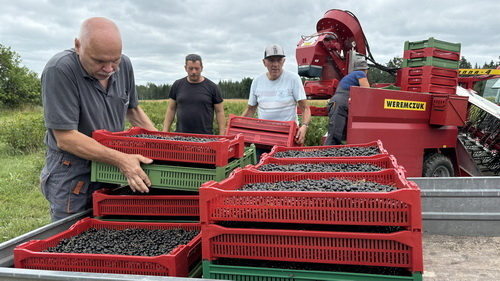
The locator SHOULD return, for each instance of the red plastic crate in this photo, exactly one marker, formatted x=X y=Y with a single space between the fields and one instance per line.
x=429 y=88
x=213 y=152
x=263 y=132
x=429 y=79
x=378 y=143
x=107 y=204
x=429 y=70
x=383 y=161
x=431 y=52
x=315 y=111
x=30 y=256
x=222 y=201
x=399 y=249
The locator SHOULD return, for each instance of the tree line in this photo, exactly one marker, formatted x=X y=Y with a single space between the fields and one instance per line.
x=20 y=86
x=229 y=90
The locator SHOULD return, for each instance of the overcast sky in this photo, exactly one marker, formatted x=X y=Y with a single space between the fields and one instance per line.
x=231 y=35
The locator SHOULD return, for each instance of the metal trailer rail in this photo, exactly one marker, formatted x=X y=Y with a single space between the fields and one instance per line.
x=467 y=206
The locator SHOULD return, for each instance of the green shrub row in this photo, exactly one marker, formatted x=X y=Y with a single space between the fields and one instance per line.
x=23 y=132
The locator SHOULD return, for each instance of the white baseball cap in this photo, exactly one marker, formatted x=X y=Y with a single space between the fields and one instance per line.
x=274 y=50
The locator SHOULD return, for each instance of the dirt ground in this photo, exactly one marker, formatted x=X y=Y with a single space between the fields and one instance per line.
x=458 y=258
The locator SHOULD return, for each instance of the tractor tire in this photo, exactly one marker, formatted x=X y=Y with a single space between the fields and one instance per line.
x=437 y=165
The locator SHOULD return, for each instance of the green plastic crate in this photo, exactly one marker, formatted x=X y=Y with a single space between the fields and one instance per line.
x=250 y=156
x=432 y=43
x=196 y=271
x=431 y=61
x=211 y=270
x=174 y=177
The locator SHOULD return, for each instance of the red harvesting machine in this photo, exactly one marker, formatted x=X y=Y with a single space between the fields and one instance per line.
x=433 y=126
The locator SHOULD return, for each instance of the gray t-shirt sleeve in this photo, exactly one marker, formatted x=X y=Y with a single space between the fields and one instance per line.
x=60 y=100
x=133 y=97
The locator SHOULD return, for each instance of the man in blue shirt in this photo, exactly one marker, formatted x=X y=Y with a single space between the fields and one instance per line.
x=338 y=104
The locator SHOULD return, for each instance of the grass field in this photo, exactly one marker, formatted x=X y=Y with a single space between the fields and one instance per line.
x=23 y=207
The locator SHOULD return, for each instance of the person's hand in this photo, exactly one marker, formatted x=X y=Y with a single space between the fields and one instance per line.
x=130 y=166
x=300 y=136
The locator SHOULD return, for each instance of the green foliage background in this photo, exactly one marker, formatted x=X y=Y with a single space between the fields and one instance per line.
x=19 y=86
x=23 y=132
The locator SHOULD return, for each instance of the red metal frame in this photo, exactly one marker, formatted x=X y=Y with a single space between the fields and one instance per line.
x=327 y=51
x=406 y=134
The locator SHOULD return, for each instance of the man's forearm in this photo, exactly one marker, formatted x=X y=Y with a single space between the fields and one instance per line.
x=138 y=118
x=249 y=111
x=221 y=122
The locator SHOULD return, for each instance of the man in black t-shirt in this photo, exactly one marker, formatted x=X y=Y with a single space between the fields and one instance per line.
x=193 y=100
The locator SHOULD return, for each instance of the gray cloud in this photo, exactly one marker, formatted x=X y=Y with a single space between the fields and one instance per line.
x=231 y=35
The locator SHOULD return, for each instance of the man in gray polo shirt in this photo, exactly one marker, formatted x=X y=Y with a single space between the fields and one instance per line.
x=88 y=88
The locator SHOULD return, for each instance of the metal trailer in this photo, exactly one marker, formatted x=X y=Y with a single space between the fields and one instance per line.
x=464 y=206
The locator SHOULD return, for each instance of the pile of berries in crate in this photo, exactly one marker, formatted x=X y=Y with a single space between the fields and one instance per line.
x=301 y=213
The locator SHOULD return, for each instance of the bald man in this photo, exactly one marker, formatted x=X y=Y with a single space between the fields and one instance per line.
x=88 y=88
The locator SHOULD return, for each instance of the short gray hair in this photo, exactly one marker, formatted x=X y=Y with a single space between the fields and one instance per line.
x=194 y=58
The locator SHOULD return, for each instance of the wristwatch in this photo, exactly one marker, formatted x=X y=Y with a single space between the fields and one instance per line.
x=304 y=124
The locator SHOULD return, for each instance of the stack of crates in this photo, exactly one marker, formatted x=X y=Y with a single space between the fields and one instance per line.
x=180 y=167
x=309 y=235
x=430 y=66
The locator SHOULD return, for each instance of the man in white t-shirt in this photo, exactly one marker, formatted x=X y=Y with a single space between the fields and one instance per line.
x=276 y=93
